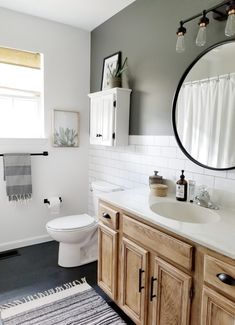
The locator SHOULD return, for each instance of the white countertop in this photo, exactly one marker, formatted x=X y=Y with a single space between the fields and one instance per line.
x=218 y=236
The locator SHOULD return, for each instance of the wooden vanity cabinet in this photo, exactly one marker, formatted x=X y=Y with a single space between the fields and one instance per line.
x=108 y=255
x=216 y=309
x=158 y=279
x=218 y=305
x=134 y=280
x=171 y=303
x=155 y=291
x=108 y=250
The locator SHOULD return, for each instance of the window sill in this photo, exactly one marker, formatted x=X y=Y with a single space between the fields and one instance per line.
x=24 y=141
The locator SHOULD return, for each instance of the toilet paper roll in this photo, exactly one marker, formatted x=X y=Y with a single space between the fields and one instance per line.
x=54 y=205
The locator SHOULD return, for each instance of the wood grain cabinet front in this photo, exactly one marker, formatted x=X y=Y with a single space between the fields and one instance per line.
x=134 y=276
x=171 y=301
x=216 y=309
x=107 y=265
x=150 y=274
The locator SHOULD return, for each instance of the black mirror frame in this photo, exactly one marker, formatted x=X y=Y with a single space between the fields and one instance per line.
x=174 y=106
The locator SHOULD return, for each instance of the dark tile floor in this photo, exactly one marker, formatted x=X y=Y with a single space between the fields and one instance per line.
x=36 y=270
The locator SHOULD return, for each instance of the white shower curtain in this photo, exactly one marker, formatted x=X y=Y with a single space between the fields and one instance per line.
x=206 y=120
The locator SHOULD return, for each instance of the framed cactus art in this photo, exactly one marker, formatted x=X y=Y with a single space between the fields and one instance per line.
x=65 y=128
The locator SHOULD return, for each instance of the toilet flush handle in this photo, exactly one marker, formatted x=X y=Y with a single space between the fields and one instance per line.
x=106 y=215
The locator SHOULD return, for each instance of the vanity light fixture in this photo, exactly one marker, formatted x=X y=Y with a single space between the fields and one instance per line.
x=201 y=35
x=180 y=44
x=230 y=25
x=222 y=11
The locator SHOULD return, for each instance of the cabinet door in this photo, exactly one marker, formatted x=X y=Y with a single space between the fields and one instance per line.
x=107 y=120
x=95 y=120
x=102 y=120
x=134 y=281
x=216 y=309
x=107 y=263
x=172 y=302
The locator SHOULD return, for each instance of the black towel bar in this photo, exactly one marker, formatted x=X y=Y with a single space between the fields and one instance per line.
x=44 y=153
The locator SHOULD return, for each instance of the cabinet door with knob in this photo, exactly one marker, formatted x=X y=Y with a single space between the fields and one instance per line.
x=109 y=117
x=171 y=294
x=134 y=277
x=102 y=120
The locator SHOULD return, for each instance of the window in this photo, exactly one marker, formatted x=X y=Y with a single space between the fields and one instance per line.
x=21 y=94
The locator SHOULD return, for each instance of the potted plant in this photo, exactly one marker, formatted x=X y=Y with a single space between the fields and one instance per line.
x=116 y=75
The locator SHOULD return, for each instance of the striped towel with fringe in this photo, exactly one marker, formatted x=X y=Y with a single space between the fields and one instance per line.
x=17 y=174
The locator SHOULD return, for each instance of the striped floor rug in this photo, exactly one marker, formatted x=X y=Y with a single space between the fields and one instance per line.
x=71 y=304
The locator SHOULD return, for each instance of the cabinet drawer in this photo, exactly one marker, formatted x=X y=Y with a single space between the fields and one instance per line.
x=108 y=216
x=212 y=267
x=170 y=247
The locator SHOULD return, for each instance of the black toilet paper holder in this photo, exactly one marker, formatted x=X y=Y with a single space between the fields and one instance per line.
x=46 y=201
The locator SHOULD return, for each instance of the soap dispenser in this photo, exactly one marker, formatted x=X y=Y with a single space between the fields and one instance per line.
x=181 y=188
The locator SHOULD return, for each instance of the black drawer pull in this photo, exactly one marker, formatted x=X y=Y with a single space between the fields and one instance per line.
x=140 y=280
x=98 y=135
x=106 y=215
x=151 y=288
x=225 y=278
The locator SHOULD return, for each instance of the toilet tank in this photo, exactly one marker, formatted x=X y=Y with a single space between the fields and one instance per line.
x=99 y=187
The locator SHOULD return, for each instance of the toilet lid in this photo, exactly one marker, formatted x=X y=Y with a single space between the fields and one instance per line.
x=71 y=222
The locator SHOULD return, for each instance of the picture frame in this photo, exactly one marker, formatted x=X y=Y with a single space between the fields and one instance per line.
x=110 y=63
x=65 y=128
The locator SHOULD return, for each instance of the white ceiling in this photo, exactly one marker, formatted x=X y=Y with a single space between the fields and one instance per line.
x=85 y=14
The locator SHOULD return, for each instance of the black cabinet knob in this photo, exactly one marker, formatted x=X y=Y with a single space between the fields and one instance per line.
x=225 y=278
x=106 y=215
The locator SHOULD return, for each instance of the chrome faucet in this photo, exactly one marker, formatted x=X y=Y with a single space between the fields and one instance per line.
x=203 y=199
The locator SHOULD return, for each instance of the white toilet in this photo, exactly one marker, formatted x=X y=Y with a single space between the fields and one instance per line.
x=77 y=234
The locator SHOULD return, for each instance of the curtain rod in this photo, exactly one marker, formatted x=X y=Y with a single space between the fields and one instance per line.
x=44 y=153
x=222 y=76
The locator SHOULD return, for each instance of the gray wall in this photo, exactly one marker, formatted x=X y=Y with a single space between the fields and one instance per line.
x=145 y=32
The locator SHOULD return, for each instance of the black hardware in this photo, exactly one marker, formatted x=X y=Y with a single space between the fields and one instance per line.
x=211 y=9
x=191 y=293
x=98 y=135
x=106 y=215
x=151 y=288
x=44 y=153
x=140 y=280
x=46 y=201
x=114 y=135
x=114 y=103
x=225 y=278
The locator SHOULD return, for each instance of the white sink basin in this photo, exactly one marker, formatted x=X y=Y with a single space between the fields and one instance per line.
x=185 y=212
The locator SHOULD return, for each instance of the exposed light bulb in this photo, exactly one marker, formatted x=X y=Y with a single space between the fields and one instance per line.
x=180 y=43
x=201 y=35
x=230 y=25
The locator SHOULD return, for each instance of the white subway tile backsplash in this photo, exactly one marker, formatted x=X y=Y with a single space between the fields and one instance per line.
x=172 y=142
x=231 y=174
x=130 y=166
x=225 y=184
x=169 y=152
x=191 y=167
x=163 y=141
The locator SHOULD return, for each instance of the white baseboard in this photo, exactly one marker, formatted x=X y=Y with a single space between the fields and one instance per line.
x=24 y=242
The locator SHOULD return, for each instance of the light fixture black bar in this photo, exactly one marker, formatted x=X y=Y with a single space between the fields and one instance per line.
x=206 y=11
x=44 y=153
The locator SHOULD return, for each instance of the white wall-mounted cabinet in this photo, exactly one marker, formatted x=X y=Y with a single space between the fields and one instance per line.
x=109 y=117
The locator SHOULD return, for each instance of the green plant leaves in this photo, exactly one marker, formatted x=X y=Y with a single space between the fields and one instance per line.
x=65 y=137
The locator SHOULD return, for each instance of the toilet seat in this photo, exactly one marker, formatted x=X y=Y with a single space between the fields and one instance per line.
x=73 y=222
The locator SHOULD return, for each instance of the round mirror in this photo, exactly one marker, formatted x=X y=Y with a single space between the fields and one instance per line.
x=203 y=112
